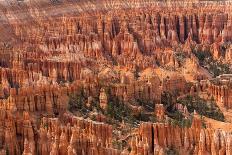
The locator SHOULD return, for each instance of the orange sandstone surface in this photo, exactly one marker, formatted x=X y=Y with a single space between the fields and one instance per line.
x=115 y=77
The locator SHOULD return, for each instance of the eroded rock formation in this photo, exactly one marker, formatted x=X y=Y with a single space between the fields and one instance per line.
x=131 y=51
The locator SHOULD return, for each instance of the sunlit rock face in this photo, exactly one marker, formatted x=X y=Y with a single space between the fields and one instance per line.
x=132 y=50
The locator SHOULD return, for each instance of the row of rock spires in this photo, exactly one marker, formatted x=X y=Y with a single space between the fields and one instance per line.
x=219 y=88
x=189 y=138
x=55 y=48
x=60 y=56
x=71 y=70
x=52 y=136
x=155 y=138
x=129 y=33
x=52 y=98
x=80 y=136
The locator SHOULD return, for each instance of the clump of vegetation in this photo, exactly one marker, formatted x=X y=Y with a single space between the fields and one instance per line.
x=120 y=111
x=117 y=110
x=119 y=144
x=76 y=102
x=176 y=117
x=146 y=104
x=180 y=56
x=202 y=107
x=215 y=67
x=167 y=100
x=171 y=151
x=202 y=56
